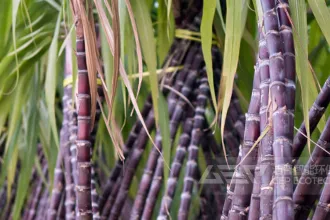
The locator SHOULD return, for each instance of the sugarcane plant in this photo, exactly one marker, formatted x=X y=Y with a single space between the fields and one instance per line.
x=218 y=130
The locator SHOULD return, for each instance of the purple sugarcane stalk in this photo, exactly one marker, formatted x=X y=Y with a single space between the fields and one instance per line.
x=306 y=194
x=242 y=177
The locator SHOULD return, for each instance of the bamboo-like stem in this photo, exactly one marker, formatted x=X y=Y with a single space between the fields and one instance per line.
x=135 y=157
x=146 y=179
x=36 y=197
x=230 y=191
x=154 y=190
x=306 y=194
x=41 y=213
x=285 y=30
x=281 y=117
x=315 y=114
x=57 y=187
x=196 y=137
x=110 y=201
x=242 y=177
x=175 y=113
x=83 y=187
x=322 y=209
x=254 y=210
x=175 y=169
x=266 y=143
x=69 y=115
x=132 y=138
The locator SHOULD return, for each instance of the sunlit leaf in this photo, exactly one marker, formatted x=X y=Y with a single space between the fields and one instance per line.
x=306 y=81
x=234 y=25
x=322 y=15
x=206 y=37
x=50 y=84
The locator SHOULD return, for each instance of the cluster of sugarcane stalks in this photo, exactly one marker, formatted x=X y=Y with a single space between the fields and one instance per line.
x=262 y=186
x=261 y=144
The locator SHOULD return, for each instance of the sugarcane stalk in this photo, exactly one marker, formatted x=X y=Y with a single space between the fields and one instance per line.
x=315 y=113
x=309 y=185
x=83 y=142
x=135 y=157
x=266 y=143
x=133 y=135
x=281 y=117
x=175 y=169
x=242 y=177
x=57 y=188
x=254 y=210
x=322 y=211
x=175 y=115
x=158 y=176
x=154 y=190
x=175 y=60
x=196 y=137
x=110 y=201
x=41 y=212
x=36 y=197
x=69 y=117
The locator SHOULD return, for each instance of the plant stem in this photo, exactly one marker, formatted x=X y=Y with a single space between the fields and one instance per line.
x=196 y=137
x=83 y=187
x=243 y=178
x=315 y=113
x=306 y=194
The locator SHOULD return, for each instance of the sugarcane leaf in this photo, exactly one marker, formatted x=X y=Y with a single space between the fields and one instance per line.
x=169 y=8
x=50 y=83
x=165 y=133
x=137 y=44
x=209 y=7
x=15 y=7
x=322 y=15
x=11 y=170
x=29 y=149
x=148 y=45
x=5 y=24
x=109 y=37
x=219 y=11
x=258 y=7
x=165 y=31
x=54 y=4
x=306 y=81
x=234 y=25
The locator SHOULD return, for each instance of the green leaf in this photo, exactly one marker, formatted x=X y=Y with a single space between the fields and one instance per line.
x=308 y=87
x=322 y=15
x=206 y=37
x=148 y=44
x=234 y=25
x=29 y=149
x=50 y=84
x=5 y=24
x=165 y=31
x=165 y=134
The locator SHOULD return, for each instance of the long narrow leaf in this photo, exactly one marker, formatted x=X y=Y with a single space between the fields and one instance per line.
x=308 y=88
x=206 y=37
x=234 y=25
